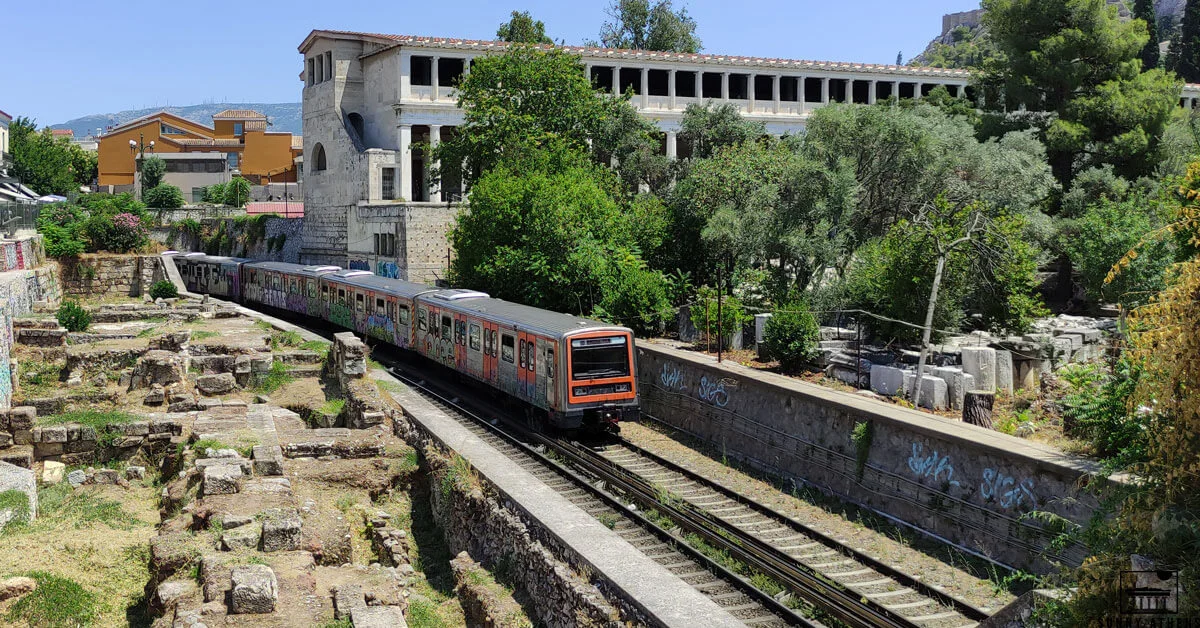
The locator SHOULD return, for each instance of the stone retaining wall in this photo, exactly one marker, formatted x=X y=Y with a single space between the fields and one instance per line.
x=22 y=442
x=103 y=275
x=493 y=530
x=966 y=484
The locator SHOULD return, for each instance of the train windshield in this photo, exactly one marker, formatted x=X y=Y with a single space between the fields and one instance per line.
x=599 y=358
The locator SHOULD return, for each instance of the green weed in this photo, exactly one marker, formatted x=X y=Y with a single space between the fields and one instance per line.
x=57 y=602
x=276 y=378
x=333 y=406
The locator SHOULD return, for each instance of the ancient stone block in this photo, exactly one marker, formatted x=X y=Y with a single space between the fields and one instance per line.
x=21 y=418
x=222 y=479
x=957 y=384
x=231 y=521
x=106 y=476
x=22 y=437
x=378 y=617
x=6 y=440
x=934 y=394
x=156 y=396
x=242 y=537
x=268 y=460
x=347 y=598
x=14 y=478
x=255 y=589
x=53 y=434
x=280 y=529
x=135 y=473
x=980 y=363
x=887 y=380
x=218 y=384
x=53 y=472
x=42 y=450
x=1004 y=371
x=77 y=477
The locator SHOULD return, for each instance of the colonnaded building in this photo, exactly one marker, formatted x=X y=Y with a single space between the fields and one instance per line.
x=369 y=99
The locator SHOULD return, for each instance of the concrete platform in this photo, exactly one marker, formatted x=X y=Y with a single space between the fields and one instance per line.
x=660 y=595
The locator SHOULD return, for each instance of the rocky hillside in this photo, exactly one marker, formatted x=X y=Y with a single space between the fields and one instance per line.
x=284 y=117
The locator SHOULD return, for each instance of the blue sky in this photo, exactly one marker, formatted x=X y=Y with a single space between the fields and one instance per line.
x=68 y=58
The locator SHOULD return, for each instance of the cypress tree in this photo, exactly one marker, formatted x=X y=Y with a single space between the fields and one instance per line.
x=1144 y=10
x=1188 y=67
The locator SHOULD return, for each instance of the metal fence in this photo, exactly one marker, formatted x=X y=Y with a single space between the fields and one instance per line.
x=14 y=216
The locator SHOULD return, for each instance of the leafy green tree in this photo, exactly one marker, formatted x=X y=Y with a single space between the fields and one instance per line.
x=153 y=171
x=1187 y=64
x=1144 y=11
x=164 y=196
x=517 y=103
x=237 y=192
x=39 y=160
x=215 y=194
x=1079 y=61
x=642 y=25
x=550 y=232
x=521 y=28
x=1106 y=230
x=84 y=165
x=708 y=127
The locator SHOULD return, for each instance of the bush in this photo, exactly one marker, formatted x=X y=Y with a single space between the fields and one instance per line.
x=73 y=316
x=164 y=196
x=189 y=225
x=215 y=194
x=120 y=233
x=237 y=193
x=1096 y=407
x=704 y=313
x=163 y=290
x=61 y=227
x=791 y=336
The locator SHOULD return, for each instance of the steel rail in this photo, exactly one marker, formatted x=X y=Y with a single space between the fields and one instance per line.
x=962 y=606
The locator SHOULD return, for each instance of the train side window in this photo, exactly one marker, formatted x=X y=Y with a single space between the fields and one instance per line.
x=524 y=355
x=506 y=348
x=404 y=314
x=379 y=306
x=532 y=356
x=550 y=362
x=445 y=327
x=421 y=318
x=474 y=337
x=358 y=301
x=324 y=292
x=341 y=296
x=312 y=288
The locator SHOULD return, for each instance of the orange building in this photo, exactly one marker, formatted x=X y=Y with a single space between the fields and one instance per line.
x=262 y=156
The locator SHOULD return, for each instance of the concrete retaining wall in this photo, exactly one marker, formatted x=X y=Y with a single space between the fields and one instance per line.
x=101 y=275
x=967 y=484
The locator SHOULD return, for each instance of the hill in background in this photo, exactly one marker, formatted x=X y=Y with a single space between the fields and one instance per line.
x=284 y=117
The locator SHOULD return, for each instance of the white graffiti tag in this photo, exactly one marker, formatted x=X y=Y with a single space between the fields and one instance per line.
x=1006 y=489
x=671 y=377
x=932 y=466
x=713 y=391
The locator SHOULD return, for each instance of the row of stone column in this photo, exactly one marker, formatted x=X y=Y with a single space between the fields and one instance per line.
x=433 y=77
x=406 y=167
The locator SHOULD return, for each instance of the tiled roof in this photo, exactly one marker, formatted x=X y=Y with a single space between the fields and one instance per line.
x=239 y=114
x=202 y=141
x=650 y=55
x=150 y=117
x=63 y=133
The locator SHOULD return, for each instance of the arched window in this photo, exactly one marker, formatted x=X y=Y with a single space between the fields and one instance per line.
x=318 y=157
x=356 y=123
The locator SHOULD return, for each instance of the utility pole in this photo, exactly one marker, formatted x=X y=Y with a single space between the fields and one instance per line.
x=720 y=330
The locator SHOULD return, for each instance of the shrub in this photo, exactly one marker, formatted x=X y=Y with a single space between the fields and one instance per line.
x=73 y=316
x=189 y=225
x=791 y=336
x=163 y=290
x=164 y=196
x=705 y=309
x=61 y=229
x=237 y=193
x=120 y=233
x=1096 y=407
x=215 y=194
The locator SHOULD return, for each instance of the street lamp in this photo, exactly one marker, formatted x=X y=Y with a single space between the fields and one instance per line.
x=138 y=147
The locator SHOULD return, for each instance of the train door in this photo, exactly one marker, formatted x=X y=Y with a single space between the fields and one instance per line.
x=403 y=323
x=491 y=349
x=527 y=363
x=538 y=371
x=550 y=369
x=475 y=348
x=508 y=369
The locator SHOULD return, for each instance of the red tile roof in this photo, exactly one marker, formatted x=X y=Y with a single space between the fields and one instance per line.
x=239 y=114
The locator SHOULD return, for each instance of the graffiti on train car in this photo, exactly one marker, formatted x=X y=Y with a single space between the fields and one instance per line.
x=381 y=327
x=342 y=315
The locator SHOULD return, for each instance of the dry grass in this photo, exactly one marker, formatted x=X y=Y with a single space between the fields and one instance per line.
x=97 y=537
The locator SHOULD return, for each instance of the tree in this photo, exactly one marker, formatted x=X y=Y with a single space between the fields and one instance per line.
x=1144 y=10
x=237 y=192
x=153 y=171
x=521 y=28
x=969 y=48
x=164 y=196
x=557 y=238
x=1187 y=64
x=900 y=58
x=39 y=160
x=792 y=336
x=707 y=128
x=517 y=103
x=1077 y=60
x=640 y=25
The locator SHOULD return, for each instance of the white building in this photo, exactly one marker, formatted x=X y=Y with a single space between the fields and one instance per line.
x=369 y=99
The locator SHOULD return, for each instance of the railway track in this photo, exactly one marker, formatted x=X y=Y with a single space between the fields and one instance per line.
x=730 y=591
x=906 y=600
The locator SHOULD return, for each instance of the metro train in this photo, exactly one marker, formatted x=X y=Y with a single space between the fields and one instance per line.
x=570 y=373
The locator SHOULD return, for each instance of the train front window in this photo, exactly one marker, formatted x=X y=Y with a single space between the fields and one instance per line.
x=599 y=358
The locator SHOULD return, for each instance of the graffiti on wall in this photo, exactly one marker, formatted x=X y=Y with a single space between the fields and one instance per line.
x=358 y=264
x=387 y=269
x=713 y=391
x=671 y=377
x=933 y=466
x=994 y=486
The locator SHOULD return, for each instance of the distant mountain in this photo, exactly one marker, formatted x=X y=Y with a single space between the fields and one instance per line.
x=284 y=117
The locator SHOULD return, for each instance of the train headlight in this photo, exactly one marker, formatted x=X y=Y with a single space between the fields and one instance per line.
x=621 y=388
x=579 y=392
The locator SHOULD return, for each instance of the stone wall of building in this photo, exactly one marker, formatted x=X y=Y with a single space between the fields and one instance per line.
x=101 y=275
x=26 y=280
x=967 y=484
x=420 y=232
